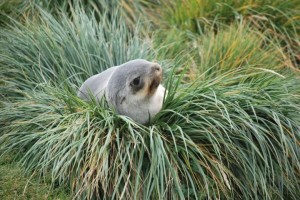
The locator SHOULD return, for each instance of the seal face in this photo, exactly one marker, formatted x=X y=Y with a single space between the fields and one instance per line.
x=132 y=89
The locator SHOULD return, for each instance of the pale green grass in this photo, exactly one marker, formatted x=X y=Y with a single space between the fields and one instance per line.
x=229 y=127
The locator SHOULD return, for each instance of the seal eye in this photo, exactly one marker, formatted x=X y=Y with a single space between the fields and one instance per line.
x=136 y=84
x=135 y=81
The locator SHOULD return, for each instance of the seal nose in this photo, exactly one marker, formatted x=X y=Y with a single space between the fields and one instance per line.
x=156 y=68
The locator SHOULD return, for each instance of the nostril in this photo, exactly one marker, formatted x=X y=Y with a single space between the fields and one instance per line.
x=157 y=68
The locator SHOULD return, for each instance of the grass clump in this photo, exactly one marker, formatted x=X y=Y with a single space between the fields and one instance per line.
x=190 y=14
x=206 y=142
x=237 y=46
x=276 y=19
x=229 y=127
x=55 y=51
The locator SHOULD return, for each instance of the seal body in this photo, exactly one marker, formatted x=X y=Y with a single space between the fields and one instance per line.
x=133 y=89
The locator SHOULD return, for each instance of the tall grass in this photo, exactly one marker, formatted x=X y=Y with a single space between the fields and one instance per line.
x=65 y=53
x=229 y=127
x=239 y=46
x=276 y=19
x=131 y=11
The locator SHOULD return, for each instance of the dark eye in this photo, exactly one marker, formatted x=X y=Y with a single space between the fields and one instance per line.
x=136 y=81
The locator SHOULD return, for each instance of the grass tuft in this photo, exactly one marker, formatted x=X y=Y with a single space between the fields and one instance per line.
x=229 y=127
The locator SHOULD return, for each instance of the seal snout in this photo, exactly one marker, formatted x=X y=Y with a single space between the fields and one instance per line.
x=156 y=68
x=156 y=78
x=156 y=71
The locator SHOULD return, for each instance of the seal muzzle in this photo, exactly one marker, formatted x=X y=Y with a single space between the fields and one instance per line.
x=155 y=78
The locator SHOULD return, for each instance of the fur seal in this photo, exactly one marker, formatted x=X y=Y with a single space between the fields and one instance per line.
x=133 y=89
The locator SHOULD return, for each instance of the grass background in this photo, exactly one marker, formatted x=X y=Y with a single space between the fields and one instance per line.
x=230 y=125
x=15 y=185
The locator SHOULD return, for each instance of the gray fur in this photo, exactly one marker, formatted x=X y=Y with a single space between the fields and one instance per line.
x=96 y=85
x=127 y=99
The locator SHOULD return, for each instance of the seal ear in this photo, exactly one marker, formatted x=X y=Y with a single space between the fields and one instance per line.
x=119 y=98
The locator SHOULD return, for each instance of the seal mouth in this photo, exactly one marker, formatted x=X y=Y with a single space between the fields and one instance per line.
x=154 y=84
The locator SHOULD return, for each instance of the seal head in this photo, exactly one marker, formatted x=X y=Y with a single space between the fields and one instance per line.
x=134 y=90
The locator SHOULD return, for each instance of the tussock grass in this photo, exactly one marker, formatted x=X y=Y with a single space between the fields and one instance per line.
x=276 y=19
x=64 y=53
x=210 y=140
x=238 y=46
x=194 y=14
x=130 y=11
x=229 y=127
